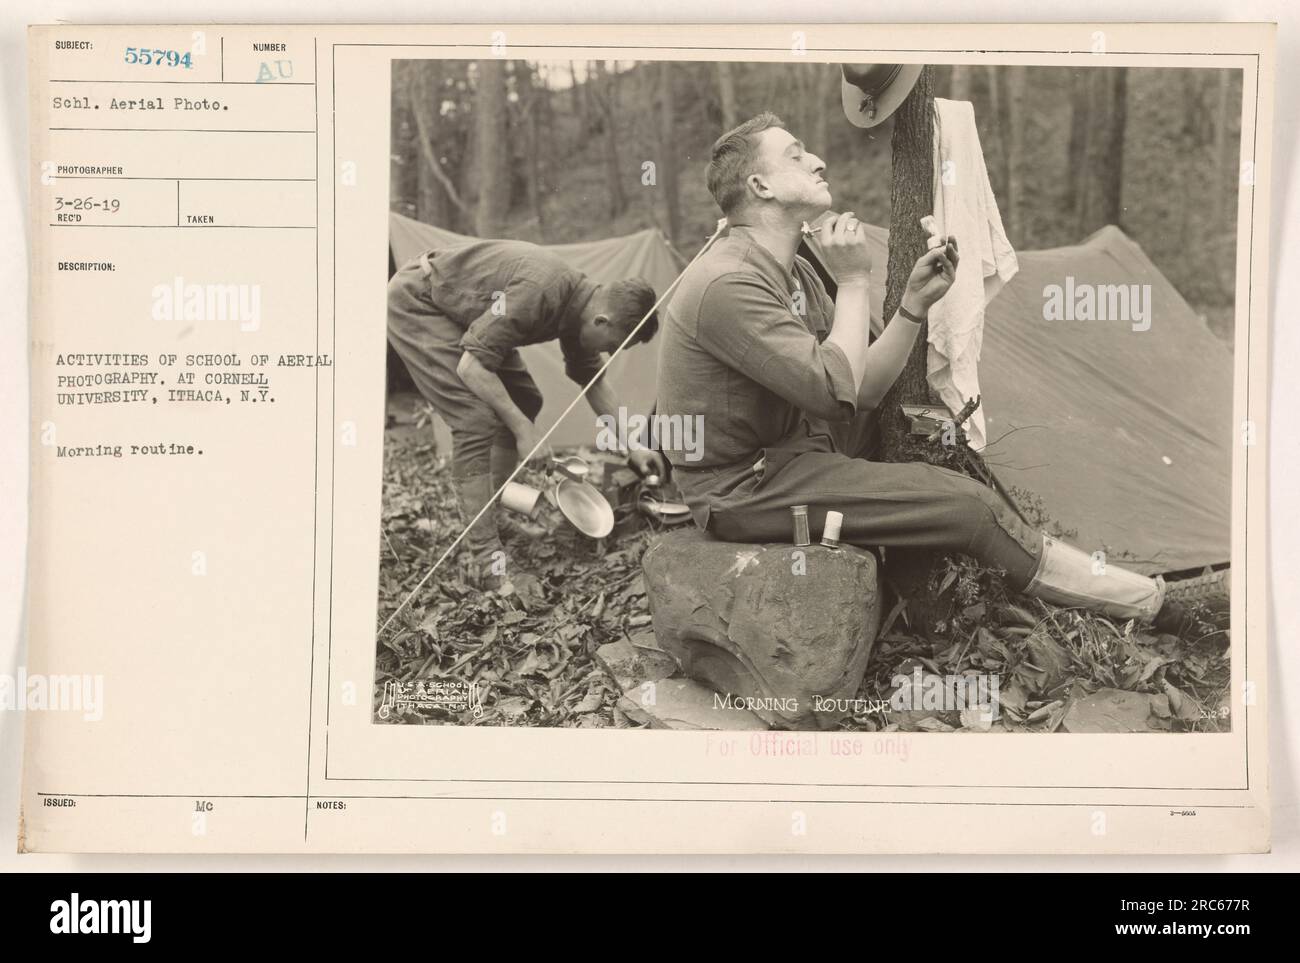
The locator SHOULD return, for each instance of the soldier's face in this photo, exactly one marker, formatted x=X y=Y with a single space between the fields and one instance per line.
x=599 y=335
x=790 y=174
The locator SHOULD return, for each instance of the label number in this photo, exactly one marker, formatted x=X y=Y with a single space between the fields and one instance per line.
x=159 y=58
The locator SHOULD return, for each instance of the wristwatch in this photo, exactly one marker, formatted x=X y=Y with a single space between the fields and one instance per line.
x=910 y=316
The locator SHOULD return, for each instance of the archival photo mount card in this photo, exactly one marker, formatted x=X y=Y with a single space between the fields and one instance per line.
x=530 y=438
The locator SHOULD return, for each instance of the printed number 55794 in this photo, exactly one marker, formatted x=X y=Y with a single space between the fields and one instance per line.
x=159 y=58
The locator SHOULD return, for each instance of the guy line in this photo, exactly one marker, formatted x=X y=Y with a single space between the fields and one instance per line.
x=722 y=223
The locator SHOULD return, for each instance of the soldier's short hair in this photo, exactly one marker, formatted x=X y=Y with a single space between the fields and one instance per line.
x=733 y=159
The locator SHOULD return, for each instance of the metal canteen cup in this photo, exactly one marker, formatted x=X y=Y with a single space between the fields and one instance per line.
x=584 y=507
x=572 y=467
x=523 y=499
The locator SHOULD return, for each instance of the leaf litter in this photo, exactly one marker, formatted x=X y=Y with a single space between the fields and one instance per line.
x=531 y=645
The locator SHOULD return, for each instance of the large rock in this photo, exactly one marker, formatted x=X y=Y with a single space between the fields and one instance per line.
x=1108 y=710
x=768 y=627
x=642 y=669
x=635 y=661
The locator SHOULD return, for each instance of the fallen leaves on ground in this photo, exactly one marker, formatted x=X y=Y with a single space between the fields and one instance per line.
x=530 y=645
x=1057 y=669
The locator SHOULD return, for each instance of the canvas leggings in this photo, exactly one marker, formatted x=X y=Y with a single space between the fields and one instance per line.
x=907 y=506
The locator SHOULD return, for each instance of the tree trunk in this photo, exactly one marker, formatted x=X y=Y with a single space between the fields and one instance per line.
x=1222 y=118
x=916 y=574
x=438 y=200
x=584 y=101
x=1101 y=163
x=774 y=84
x=535 y=106
x=911 y=198
x=1078 y=138
x=912 y=573
x=667 y=145
x=825 y=103
x=575 y=102
x=1014 y=105
x=606 y=95
x=491 y=124
x=797 y=87
x=1225 y=179
x=405 y=164
x=959 y=82
x=996 y=151
x=727 y=95
x=547 y=123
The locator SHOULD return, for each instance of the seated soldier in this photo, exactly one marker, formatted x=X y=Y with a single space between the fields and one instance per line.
x=780 y=372
x=456 y=317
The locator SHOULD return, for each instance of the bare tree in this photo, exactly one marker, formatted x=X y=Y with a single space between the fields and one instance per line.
x=437 y=200
x=1099 y=167
x=533 y=95
x=1222 y=163
x=996 y=150
x=1225 y=171
x=912 y=570
x=727 y=95
x=802 y=97
x=1015 y=82
x=1078 y=135
x=575 y=94
x=826 y=85
x=404 y=157
x=492 y=127
x=605 y=96
x=582 y=98
x=959 y=82
x=911 y=198
x=667 y=163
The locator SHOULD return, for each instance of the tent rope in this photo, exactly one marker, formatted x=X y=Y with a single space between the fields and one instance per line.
x=722 y=223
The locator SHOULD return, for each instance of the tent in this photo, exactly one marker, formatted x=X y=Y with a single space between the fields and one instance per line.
x=1125 y=436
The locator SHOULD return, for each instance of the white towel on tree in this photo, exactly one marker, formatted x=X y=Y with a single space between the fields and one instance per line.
x=964 y=206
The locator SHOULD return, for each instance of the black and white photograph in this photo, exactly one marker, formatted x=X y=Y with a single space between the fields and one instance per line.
x=792 y=439
x=809 y=396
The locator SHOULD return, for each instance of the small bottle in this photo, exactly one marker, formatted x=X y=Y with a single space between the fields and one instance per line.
x=831 y=530
x=800 y=515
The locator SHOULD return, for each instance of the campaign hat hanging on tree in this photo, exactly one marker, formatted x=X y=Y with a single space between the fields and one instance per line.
x=871 y=92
